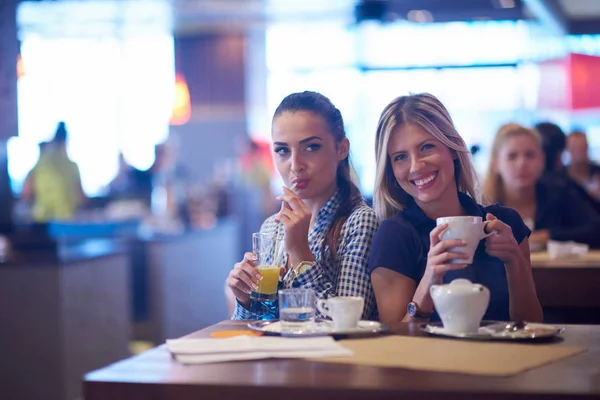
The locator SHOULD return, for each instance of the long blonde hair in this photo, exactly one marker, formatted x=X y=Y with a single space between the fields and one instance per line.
x=493 y=187
x=427 y=112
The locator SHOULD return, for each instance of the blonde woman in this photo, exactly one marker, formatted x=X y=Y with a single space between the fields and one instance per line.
x=424 y=172
x=550 y=208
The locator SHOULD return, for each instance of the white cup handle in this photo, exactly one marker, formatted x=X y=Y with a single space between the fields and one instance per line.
x=484 y=235
x=323 y=308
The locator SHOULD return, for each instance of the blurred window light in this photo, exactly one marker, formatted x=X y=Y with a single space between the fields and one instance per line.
x=584 y=44
x=295 y=46
x=382 y=62
x=112 y=84
x=403 y=44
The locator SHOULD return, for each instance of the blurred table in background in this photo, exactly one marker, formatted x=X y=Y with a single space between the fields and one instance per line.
x=178 y=280
x=63 y=311
x=568 y=288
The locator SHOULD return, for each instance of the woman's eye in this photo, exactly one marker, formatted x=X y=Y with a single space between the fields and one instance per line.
x=400 y=157
x=427 y=146
x=313 y=147
x=281 y=150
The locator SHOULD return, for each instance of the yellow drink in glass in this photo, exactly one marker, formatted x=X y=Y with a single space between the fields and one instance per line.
x=268 y=284
x=269 y=259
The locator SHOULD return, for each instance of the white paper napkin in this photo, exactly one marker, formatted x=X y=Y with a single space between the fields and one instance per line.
x=566 y=249
x=200 y=351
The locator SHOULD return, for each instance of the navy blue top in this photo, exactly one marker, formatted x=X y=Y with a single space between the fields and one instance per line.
x=565 y=214
x=402 y=243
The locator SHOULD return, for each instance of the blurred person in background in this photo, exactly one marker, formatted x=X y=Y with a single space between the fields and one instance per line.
x=169 y=183
x=549 y=207
x=130 y=183
x=581 y=169
x=43 y=146
x=54 y=183
x=256 y=171
x=554 y=142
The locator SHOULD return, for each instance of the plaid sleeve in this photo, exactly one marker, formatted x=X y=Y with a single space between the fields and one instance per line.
x=349 y=277
x=241 y=313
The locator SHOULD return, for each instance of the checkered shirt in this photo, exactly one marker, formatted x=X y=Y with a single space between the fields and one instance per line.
x=347 y=275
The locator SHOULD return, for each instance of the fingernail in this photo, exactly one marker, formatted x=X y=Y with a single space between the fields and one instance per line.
x=463 y=242
x=259 y=277
x=254 y=286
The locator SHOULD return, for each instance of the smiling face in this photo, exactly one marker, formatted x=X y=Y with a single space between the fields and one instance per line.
x=306 y=154
x=519 y=162
x=422 y=165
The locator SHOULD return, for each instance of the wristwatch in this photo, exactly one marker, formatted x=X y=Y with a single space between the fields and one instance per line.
x=413 y=311
x=302 y=267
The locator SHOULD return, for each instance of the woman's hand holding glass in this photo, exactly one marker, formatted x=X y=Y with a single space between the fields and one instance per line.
x=242 y=278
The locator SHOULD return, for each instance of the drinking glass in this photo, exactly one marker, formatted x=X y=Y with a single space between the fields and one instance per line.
x=269 y=252
x=297 y=310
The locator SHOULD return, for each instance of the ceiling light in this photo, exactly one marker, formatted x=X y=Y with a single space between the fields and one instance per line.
x=419 y=16
x=503 y=3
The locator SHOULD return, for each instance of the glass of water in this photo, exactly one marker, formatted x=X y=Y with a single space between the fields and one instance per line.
x=297 y=311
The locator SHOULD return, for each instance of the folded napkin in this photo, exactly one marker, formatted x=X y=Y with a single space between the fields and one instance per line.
x=566 y=249
x=201 y=351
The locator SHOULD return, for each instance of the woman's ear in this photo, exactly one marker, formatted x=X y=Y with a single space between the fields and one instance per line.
x=343 y=149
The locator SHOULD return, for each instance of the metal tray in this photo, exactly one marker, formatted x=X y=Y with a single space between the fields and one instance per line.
x=321 y=327
x=496 y=331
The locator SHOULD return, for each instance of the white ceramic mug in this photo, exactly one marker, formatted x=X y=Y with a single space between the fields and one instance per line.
x=469 y=229
x=344 y=311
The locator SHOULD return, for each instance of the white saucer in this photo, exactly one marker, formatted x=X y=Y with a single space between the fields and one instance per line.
x=321 y=328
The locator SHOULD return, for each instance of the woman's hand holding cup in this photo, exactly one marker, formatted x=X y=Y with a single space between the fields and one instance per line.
x=442 y=254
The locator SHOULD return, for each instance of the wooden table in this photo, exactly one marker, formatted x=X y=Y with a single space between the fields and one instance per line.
x=155 y=375
x=572 y=283
x=589 y=261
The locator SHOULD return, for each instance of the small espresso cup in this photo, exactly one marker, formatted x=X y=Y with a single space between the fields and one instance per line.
x=470 y=229
x=344 y=311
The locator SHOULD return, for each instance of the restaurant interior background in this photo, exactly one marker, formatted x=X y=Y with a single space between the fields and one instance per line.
x=108 y=69
x=203 y=76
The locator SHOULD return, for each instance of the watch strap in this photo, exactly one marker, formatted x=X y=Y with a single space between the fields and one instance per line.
x=415 y=312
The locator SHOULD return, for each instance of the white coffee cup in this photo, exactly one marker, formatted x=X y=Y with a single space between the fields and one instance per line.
x=344 y=311
x=470 y=229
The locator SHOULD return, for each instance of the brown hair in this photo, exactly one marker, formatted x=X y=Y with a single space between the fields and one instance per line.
x=493 y=187
x=348 y=191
